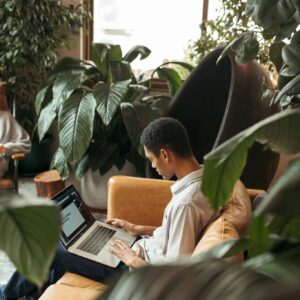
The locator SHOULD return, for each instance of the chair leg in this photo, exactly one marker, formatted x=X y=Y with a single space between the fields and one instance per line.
x=15 y=176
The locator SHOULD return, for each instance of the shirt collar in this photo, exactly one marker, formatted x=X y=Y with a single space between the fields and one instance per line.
x=186 y=181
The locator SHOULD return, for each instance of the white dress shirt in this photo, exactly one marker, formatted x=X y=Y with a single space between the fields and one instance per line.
x=184 y=217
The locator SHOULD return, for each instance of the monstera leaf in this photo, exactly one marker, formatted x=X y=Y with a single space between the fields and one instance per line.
x=30 y=229
x=278 y=132
x=75 y=124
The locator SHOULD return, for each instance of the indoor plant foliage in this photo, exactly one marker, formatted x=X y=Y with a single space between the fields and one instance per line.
x=30 y=230
x=101 y=109
x=231 y=22
x=32 y=32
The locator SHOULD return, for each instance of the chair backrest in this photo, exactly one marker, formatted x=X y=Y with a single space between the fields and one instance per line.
x=231 y=224
x=216 y=102
x=3 y=99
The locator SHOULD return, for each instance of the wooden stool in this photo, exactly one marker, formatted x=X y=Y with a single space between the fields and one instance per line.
x=48 y=183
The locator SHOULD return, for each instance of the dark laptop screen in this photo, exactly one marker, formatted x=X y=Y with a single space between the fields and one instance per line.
x=76 y=217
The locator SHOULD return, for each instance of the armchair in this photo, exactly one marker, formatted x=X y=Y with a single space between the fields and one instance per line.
x=142 y=201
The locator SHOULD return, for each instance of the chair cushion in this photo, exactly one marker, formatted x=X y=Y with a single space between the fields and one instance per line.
x=231 y=224
x=73 y=287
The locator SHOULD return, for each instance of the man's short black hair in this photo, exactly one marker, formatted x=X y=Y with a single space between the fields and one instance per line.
x=166 y=133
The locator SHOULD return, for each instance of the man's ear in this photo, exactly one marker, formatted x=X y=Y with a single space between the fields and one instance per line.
x=166 y=154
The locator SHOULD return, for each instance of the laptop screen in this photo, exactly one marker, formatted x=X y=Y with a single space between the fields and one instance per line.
x=76 y=217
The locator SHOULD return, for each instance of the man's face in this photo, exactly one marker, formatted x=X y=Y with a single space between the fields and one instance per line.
x=161 y=163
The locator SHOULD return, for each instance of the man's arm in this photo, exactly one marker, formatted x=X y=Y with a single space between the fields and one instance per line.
x=133 y=229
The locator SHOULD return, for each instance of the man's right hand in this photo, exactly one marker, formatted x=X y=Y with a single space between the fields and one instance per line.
x=131 y=228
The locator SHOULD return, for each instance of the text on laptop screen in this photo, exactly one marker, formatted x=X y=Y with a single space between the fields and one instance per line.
x=71 y=219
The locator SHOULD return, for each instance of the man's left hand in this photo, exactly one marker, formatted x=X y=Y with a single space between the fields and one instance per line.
x=126 y=254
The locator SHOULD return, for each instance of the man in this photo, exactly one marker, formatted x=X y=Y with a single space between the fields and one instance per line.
x=167 y=147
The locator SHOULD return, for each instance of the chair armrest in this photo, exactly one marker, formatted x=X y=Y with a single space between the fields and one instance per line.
x=138 y=200
x=18 y=155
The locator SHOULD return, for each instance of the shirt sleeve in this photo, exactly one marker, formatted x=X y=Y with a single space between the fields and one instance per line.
x=13 y=137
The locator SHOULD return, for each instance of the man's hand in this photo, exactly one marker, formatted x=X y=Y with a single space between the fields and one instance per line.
x=126 y=254
x=131 y=228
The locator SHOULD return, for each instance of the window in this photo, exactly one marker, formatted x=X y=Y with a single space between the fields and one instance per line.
x=164 y=26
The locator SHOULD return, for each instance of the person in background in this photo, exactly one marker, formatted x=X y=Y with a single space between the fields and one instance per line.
x=13 y=138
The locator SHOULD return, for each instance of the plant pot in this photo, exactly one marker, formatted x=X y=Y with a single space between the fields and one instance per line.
x=94 y=185
x=38 y=160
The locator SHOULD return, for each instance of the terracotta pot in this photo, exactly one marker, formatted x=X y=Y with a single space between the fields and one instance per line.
x=218 y=101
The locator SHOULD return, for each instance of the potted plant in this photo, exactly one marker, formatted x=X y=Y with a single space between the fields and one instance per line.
x=100 y=108
x=32 y=33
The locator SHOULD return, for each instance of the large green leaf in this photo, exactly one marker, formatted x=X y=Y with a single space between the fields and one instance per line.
x=30 y=229
x=172 y=77
x=283 y=198
x=224 y=165
x=210 y=279
x=99 y=54
x=286 y=227
x=59 y=162
x=270 y=13
x=82 y=167
x=134 y=52
x=44 y=95
x=136 y=117
x=259 y=236
x=76 y=125
x=69 y=66
x=248 y=49
x=64 y=87
x=121 y=71
x=45 y=119
x=291 y=57
x=108 y=98
x=290 y=89
x=282 y=264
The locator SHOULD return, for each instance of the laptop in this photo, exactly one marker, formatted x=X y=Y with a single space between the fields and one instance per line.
x=82 y=234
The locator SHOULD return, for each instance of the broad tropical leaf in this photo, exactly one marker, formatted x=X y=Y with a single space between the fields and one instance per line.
x=82 y=167
x=247 y=50
x=259 y=236
x=172 y=77
x=279 y=132
x=136 y=117
x=69 y=66
x=44 y=95
x=282 y=264
x=64 y=87
x=120 y=71
x=75 y=124
x=30 y=229
x=108 y=98
x=283 y=198
x=210 y=279
x=135 y=92
x=59 y=162
x=290 y=89
x=291 y=57
x=45 y=120
x=286 y=227
x=231 y=46
x=134 y=52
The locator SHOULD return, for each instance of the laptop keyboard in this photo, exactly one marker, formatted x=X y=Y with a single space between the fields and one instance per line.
x=96 y=240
